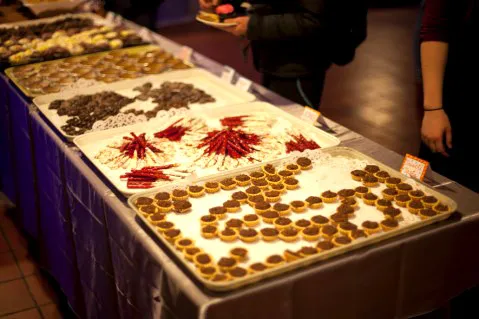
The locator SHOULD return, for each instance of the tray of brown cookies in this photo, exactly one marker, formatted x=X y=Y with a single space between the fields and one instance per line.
x=93 y=69
x=248 y=225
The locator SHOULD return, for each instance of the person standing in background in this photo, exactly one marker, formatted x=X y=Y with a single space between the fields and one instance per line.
x=450 y=65
x=295 y=42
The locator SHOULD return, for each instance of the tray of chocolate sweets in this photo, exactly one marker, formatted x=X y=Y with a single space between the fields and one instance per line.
x=94 y=69
x=196 y=143
x=251 y=224
x=62 y=36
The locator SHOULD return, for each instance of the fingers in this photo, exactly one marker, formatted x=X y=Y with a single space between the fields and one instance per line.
x=435 y=144
x=439 y=145
x=449 y=137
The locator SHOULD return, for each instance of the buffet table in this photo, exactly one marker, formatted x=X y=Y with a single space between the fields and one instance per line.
x=106 y=263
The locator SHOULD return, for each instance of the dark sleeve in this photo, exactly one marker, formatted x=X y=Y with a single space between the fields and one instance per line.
x=435 y=24
x=306 y=21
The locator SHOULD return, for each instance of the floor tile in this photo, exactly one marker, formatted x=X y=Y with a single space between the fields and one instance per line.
x=14 y=297
x=51 y=312
x=28 y=314
x=3 y=244
x=14 y=237
x=8 y=267
x=25 y=261
x=41 y=290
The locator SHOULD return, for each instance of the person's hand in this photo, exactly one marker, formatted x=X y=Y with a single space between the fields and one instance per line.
x=435 y=128
x=240 y=28
x=208 y=4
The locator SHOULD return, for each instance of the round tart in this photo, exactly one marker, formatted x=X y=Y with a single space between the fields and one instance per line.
x=196 y=191
x=370 y=199
x=429 y=201
x=272 y=196
x=307 y=251
x=370 y=181
x=370 y=227
x=248 y=235
x=389 y=224
x=232 y=206
x=402 y=200
x=253 y=191
x=181 y=206
x=319 y=220
x=148 y=210
x=391 y=182
x=228 y=234
x=191 y=252
x=255 y=176
x=304 y=163
x=274 y=261
x=329 y=197
x=142 y=201
x=227 y=263
x=261 y=183
x=256 y=199
x=269 y=169
x=270 y=216
x=416 y=194
x=293 y=168
x=324 y=246
x=389 y=193
x=234 y=223
x=361 y=191
x=441 y=208
x=346 y=228
x=212 y=187
x=172 y=235
x=288 y=234
x=282 y=209
x=358 y=233
x=328 y=232
x=156 y=218
x=179 y=194
x=291 y=256
x=393 y=213
x=298 y=206
x=164 y=226
x=278 y=187
x=314 y=202
x=301 y=224
x=240 y=254
x=311 y=233
x=341 y=241
x=346 y=193
x=338 y=218
x=372 y=169
x=184 y=243
x=238 y=272
x=240 y=197
x=218 y=211
x=350 y=202
x=358 y=175
x=251 y=220
x=262 y=207
x=208 y=220
x=228 y=184
x=274 y=180
x=220 y=277
x=285 y=174
x=162 y=196
x=165 y=206
x=427 y=213
x=382 y=176
x=403 y=188
x=242 y=180
x=291 y=183
x=269 y=234
x=414 y=206
x=208 y=272
x=209 y=231
x=203 y=260
x=282 y=223
x=257 y=267
x=346 y=210
x=382 y=204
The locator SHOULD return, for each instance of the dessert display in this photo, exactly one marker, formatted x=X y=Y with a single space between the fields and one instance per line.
x=63 y=37
x=257 y=236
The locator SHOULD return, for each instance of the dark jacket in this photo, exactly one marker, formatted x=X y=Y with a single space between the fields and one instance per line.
x=292 y=38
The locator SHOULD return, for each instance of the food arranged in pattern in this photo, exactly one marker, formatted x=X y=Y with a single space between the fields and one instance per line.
x=108 y=67
x=252 y=222
x=61 y=38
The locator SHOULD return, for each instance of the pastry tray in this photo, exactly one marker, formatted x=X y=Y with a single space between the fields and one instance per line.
x=91 y=143
x=218 y=247
x=10 y=72
x=45 y=6
x=97 y=19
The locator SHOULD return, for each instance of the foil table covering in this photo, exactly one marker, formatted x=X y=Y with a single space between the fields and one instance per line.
x=108 y=266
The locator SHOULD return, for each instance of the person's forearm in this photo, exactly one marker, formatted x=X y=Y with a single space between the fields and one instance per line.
x=433 y=62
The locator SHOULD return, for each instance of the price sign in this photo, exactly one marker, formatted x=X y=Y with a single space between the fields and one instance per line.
x=185 y=53
x=414 y=167
x=310 y=115
x=228 y=74
x=243 y=84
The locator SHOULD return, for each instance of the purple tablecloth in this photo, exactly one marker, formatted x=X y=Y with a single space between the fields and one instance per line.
x=108 y=266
